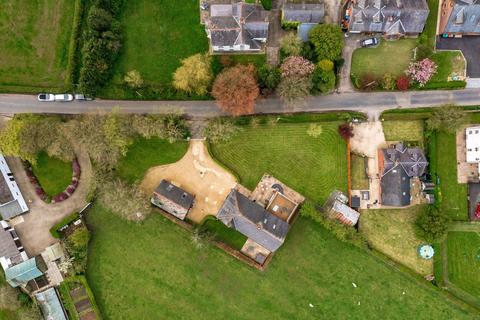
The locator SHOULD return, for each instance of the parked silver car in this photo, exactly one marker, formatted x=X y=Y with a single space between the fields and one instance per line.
x=82 y=97
x=46 y=97
x=64 y=97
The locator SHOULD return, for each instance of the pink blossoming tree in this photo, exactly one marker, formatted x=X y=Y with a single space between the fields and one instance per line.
x=421 y=71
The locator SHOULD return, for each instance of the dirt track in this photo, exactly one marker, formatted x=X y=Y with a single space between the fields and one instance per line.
x=198 y=174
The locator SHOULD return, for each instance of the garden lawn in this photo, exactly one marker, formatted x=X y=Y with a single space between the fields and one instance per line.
x=391 y=231
x=221 y=232
x=158 y=34
x=359 y=174
x=449 y=63
x=453 y=195
x=153 y=271
x=34 y=43
x=463 y=252
x=389 y=57
x=312 y=166
x=146 y=153
x=54 y=175
x=411 y=130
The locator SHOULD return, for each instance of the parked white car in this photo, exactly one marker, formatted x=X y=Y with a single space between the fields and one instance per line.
x=64 y=97
x=46 y=97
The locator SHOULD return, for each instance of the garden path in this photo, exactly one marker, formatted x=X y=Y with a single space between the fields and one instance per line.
x=33 y=227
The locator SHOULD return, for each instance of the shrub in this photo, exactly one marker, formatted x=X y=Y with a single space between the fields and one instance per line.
x=236 y=89
x=220 y=129
x=388 y=82
x=323 y=81
x=403 y=83
x=423 y=51
x=77 y=247
x=133 y=79
x=431 y=225
x=175 y=127
x=345 y=131
x=290 y=25
x=421 y=71
x=293 y=89
x=446 y=118
x=308 y=51
x=326 y=65
x=291 y=44
x=328 y=41
x=314 y=130
x=71 y=190
x=269 y=77
x=296 y=66
x=76 y=168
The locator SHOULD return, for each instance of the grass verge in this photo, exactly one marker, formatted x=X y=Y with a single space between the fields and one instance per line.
x=54 y=175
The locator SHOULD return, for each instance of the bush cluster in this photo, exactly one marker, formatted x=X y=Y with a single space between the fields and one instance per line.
x=102 y=45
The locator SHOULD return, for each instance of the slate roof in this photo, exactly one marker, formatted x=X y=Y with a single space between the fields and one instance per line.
x=8 y=248
x=389 y=16
x=304 y=12
x=237 y=24
x=464 y=18
x=395 y=186
x=252 y=220
x=304 y=31
x=10 y=210
x=412 y=160
x=50 y=304
x=175 y=194
x=23 y=272
x=5 y=194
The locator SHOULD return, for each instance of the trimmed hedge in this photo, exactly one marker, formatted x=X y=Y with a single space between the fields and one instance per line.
x=74 y=41
x=68 y=219
x=290 y=25
x=302 y=117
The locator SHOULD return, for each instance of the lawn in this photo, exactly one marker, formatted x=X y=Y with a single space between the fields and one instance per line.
x=154 y=271
x=312 y=166
x=389 y=56
x=158 y=34
x=54 y=175
x=359 y=174
x=453 y=194
x=411 y=131
x=34 y=43
x=391 y=231
x=221 y=232
x=146 y=153
x=463 y=252
x=449 y=63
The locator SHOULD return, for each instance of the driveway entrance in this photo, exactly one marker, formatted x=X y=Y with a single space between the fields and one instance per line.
x=470 y=47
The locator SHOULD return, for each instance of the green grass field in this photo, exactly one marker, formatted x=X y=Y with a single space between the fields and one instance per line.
x=53 y=174
x=312 y=166
x=153 y=271
x=449 y=62
x=359 y=175
x=146 y=153
x=158 y=34
x=453 y=194
x=463 y=252
x=389 y=56
x=411 y=131
x=34 y=42
x=221 y=232
x=391 y=231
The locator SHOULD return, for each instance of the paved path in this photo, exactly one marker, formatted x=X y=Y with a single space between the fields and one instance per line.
x=359 y=101
x=34 y=231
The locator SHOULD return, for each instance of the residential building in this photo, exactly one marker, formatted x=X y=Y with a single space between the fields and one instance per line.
x=11 y=249
x=12 y=203
x=28 y=274
x=392 y=18
x=172 y=199
x=459 y=18
x=472 y=142
x=398 y=165
x=306 y=15
x=263 y=216
x=237 y=27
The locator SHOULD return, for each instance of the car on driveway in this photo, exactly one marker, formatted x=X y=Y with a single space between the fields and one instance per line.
x=64 y=97
x=46 y=97
x=370 y=42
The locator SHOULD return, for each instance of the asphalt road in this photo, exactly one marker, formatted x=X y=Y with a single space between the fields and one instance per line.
x=360 y=101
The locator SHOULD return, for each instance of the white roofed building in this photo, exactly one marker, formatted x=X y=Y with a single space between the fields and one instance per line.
x=472 y=141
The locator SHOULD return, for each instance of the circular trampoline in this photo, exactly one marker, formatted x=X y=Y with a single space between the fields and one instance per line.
x=426 y=252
